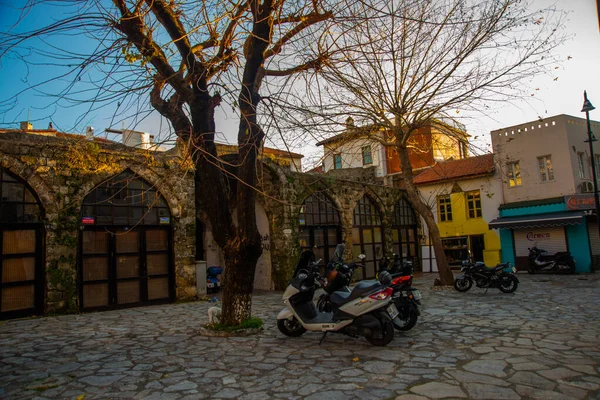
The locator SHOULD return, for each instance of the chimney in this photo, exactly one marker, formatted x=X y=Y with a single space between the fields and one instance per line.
x=26 y=126
x=89 y=132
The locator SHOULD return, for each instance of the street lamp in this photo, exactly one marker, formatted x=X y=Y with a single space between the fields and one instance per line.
x=587 y=107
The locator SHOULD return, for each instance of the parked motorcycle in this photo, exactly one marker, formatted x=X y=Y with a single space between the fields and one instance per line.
x=406 y=298
x=501 y=276
x=542 y=261
x=366 y=311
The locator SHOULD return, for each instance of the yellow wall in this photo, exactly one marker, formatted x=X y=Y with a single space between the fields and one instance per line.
x=463 y=226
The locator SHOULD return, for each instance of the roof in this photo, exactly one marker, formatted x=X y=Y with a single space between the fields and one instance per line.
x=265 y=150
x=354 y=132
x=55 y=133
x=343 y=136
x=538 y=220
x=457 y=169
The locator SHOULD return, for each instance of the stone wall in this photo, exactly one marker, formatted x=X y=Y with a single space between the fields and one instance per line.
x=285 y=192
x=63 y=170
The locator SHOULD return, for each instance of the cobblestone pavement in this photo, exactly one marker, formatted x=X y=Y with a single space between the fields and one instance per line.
x=541 y=342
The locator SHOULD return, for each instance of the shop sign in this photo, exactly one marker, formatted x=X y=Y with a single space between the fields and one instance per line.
x=87 y=220
x=535 y=236
x=580 y=202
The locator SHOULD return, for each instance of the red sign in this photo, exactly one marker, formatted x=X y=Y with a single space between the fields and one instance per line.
x=87 y=220
x=580 y=202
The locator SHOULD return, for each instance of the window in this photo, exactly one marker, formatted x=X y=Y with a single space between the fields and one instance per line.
x=366 y=155
x=580 y=165
x=444 y=208
x=474 y=204
x=546 y=170
x=514 y=174
x=337 y=161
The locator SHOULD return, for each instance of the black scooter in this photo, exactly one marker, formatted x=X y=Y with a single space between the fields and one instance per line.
x=540 y=261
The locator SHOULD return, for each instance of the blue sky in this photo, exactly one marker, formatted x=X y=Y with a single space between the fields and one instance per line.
x=560 y=93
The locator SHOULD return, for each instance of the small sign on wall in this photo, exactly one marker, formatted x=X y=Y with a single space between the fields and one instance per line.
x=538 y=236
x=87 y=220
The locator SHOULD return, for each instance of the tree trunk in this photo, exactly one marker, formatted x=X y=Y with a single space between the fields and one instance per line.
x=423 y=209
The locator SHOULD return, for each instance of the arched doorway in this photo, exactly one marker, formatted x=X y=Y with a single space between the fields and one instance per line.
x=320 y=229
x=21 y=249
x=125 y=245
x=367 y=235
x=404 y=232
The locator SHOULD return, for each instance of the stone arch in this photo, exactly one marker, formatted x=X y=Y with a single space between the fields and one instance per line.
x=44 y=193
x=320 y=221
x=125 y=245
x=22 y=248
x=368 y=233
x=404 y=226
x=149 y=176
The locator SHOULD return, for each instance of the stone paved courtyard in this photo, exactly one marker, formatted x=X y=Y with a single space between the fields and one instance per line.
x=542 y=342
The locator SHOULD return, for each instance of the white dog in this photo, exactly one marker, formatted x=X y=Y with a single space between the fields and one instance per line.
x=214 y=315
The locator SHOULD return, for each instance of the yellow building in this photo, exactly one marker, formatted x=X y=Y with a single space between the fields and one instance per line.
x=464 y=196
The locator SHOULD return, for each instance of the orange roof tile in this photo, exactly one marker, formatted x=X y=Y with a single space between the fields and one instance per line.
x=455 y=169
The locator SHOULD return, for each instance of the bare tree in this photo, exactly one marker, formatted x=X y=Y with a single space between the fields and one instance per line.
x=410 y=63
x=185 y=59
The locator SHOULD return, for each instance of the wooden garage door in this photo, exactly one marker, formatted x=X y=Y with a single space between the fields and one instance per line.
x=21 y=249
x=124 y=267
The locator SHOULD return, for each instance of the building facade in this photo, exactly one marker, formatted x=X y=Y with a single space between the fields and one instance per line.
x=464 y=196
x=88 y=224
x=365 y=147
x=547 y=186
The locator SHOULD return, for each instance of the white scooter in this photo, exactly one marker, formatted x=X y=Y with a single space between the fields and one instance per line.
x=366 y=311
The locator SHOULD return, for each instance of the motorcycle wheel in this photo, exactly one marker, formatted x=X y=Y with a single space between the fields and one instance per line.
x=383 y=337
x=291 y=327
x=406 y=321
x=508 y=284
x=462 y=285
x=569 y=267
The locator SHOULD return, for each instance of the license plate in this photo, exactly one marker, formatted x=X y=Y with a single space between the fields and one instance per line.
x=417 y=295
x=392 y=310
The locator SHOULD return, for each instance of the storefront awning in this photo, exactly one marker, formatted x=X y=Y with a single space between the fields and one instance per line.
x=538 y=221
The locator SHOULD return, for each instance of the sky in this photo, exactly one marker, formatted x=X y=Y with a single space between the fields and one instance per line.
x=558 y=93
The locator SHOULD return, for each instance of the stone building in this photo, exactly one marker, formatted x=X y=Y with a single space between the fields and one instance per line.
x=89 y=224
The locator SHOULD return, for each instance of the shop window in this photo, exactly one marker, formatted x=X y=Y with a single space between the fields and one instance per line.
x=546 y=170
x=444 y=208
x=514 y=174
x=474 y=204
x=367 y=158
x=456 y=250
x=337 y=161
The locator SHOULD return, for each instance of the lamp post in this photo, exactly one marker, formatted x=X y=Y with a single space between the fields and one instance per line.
x=587 y=107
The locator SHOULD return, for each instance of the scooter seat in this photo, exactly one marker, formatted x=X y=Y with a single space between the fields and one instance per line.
x=340 y=298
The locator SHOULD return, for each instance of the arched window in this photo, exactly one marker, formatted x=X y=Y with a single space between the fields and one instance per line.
x=125 y=200
x=404 y=232
x=367 y=235
x=125 y=245
x=17 y=202
x=21 y=249
x=320 y=228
